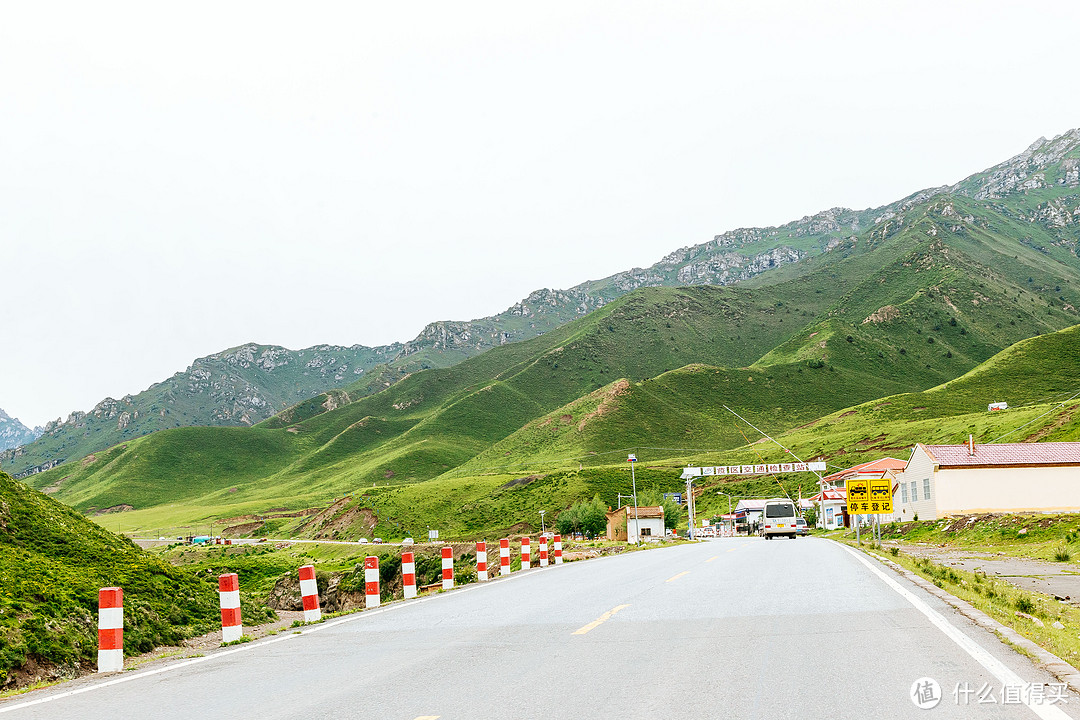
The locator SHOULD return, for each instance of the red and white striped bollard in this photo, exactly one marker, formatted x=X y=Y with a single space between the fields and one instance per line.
x=408 y=575
x=232 y=627
x=371 y=582
x=447 y=567
x=525 y=554
x=110 y=656
x=543 y=552
x=504 y=556
x=481 y=560
x=558 y=549
x=309 y=593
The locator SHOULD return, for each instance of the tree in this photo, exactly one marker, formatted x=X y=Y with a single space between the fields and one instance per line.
x=587 y=516
x=594 y=517
x=569 y=520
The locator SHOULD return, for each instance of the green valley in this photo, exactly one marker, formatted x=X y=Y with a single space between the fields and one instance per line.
x=845 y=311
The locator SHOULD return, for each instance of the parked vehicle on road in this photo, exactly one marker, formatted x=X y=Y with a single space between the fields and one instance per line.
x=801 y=528
x=778 y=519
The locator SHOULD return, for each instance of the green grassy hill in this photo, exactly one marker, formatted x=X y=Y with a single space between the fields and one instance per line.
x=433 y=420
x=53 y=561
x=902 y=311
x=1017 y=223
x=240 y=386
x=550 y=465
x=881 y=302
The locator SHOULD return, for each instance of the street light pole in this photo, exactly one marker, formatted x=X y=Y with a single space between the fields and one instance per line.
x=730 y=519
x=690 y=508
x=543 y=530
x=637 y=523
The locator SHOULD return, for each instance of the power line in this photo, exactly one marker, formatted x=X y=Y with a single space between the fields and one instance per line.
x=594 y=455
x=1048 y=412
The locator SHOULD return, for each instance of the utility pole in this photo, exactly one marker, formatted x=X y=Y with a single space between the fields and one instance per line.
x=729 y=518
x=690 y=508
x=637 y=524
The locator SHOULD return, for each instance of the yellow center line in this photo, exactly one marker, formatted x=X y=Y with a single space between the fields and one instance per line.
x=676 y=577
x=599 y=621
x=731 y=549
x=714 y=557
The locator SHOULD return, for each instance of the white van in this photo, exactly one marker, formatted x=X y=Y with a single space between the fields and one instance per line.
x=778 y=518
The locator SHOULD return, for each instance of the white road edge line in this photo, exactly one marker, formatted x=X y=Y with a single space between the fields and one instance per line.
x=997 y=668
x=307 y=630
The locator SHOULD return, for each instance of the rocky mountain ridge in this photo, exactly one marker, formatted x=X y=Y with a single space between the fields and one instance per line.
x=239 y=386
x=13 y=433
x=1038 y=186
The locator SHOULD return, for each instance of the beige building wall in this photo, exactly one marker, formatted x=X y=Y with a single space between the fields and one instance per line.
x=919 y=468
x=1035 y=489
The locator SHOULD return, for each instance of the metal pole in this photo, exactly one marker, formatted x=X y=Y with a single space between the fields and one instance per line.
x=689 y=509
x=637 y=522
x=856 y=519
x=729 y=519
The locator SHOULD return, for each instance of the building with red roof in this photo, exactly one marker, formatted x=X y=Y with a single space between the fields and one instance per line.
x=832 y=500
x=863 y=471
x=942 y=480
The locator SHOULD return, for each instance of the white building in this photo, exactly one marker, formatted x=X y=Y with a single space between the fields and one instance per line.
x=832 y=508
x=942 y=480
x=630 y=524
x=752 y=509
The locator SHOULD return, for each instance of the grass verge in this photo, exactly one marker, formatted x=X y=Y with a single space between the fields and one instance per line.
x=1030 y=614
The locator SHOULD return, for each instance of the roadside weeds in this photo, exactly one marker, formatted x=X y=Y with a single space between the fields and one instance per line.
x=1022 y=631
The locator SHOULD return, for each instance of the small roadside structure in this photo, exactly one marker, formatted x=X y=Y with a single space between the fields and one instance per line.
x=752 y=509
x=630 y=524
x=832 y=508
x=832 y=500
x=942 y=480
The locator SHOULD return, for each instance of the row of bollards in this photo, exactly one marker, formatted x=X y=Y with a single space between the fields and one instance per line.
x=111 y=599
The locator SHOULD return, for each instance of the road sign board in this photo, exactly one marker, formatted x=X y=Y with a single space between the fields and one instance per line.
x=881 y=496
x=869 y=497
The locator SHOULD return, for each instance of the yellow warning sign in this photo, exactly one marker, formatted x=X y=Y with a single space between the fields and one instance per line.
x=869 y=497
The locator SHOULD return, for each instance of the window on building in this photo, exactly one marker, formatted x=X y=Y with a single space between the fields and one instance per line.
x=903 y=492
x=926 y=488
x=646 y=531
x=914 y=492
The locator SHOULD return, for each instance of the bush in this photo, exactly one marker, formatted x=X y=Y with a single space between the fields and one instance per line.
x=1062 y=554
x=1025 y=604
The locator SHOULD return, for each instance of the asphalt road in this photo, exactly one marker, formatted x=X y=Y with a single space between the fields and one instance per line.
x=726 y=628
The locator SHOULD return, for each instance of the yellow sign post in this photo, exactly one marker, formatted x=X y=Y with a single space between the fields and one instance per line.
x=858 y=496
x=881 y=497
x=869 y=497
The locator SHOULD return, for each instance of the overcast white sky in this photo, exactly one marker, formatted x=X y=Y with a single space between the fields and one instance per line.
x=177 y=179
